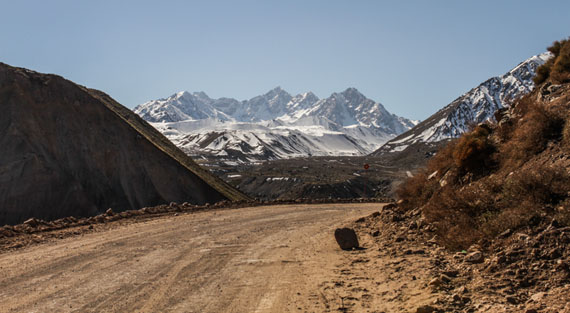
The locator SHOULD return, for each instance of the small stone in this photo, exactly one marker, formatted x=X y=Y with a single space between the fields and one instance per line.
x=561 y=265
x=31 y=222
x=396 y=218
x=554 y=253
x=346 y=238
x=444 y=278
x=435 y=282
x=511 y=299
x=451 y=273
x=389 y=206
x=109 y=212
x=505 y=234
x=537 y=296
x=474 y=257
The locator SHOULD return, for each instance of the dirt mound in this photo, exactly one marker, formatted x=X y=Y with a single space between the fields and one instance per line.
x=71 y=151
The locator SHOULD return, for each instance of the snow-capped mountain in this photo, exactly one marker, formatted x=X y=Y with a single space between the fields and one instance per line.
x=476 y=106
x=274 y=125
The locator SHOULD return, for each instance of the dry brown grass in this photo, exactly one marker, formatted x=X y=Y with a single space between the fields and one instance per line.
x=566 y=135
x=472 y=152
x=557 y=68
x=531 y=133
x=493 y=204
x=560 y=72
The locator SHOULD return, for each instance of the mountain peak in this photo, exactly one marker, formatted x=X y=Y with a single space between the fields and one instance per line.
x=277 y=91
x=181 y=94
x=201 y=95
x=352 y=93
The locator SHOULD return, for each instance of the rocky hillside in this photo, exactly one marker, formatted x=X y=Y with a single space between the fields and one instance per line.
x=501 y=193
x=72 y=151
x=476 y=106
x=275 y=125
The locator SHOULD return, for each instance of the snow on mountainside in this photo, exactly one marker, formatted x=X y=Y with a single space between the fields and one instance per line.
x=274 y=125
x=476 y=106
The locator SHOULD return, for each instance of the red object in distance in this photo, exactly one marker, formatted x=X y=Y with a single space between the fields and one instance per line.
x=366 y=166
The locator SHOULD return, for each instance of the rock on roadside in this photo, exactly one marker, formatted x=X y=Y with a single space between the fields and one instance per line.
x=346 y=238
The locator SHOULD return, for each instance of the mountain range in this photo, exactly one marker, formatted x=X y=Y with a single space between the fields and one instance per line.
x=278 y=125
x=475 y=106
x=274 y=125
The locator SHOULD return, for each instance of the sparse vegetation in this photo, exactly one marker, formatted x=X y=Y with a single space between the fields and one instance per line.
x=566 y=135
x=472 y=151
x=539 y=125
x=558 y=67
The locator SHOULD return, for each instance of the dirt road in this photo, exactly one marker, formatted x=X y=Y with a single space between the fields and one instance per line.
x=261 y=259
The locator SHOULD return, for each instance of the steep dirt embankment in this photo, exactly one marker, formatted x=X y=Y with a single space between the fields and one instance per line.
x=71 y=151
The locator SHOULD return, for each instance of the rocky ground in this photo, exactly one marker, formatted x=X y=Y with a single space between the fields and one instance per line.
x=316 y=177
x=523 y=271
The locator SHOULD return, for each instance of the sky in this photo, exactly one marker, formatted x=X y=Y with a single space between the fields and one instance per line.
x=412 y=56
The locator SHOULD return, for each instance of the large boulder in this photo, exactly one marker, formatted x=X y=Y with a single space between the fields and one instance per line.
x=346 y=238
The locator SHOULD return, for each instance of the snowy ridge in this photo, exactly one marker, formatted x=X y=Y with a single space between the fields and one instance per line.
x=476 y=106
x=274 y=125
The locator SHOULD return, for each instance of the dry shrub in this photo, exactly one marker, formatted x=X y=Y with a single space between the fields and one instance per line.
x=558 y=67
x=560 y=71
x=472 y=152
x=566 y=134
x=442 y=161
x=563 y=213
x=543 y=72
x=541 y=186
x=510 y=218
x=484 y=209
x=418 y=189
x=532 y=133
x=415 y=191
x=525 y=195
x=456 y=211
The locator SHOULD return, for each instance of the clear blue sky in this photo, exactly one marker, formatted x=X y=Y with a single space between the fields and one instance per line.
x=413 y=56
